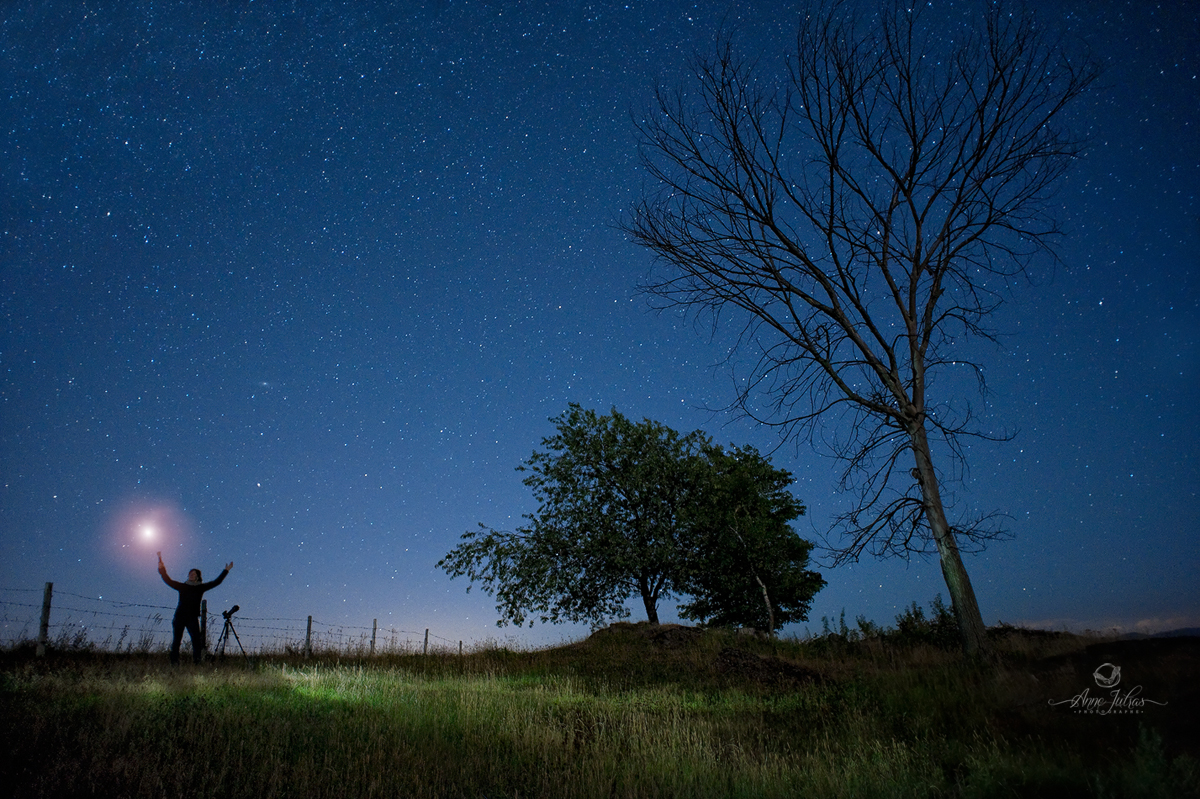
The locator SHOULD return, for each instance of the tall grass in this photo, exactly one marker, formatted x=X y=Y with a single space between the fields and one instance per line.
x=632 y=713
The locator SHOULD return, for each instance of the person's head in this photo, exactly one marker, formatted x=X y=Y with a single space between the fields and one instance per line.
x=194 y=576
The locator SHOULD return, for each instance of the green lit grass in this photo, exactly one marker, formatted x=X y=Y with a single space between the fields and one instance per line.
x=621 y=715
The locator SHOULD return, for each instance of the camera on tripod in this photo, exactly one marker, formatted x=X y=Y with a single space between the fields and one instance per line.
x=224 y=637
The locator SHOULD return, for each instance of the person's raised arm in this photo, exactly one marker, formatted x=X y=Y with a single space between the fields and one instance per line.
x=220 y=577
x=162 y=570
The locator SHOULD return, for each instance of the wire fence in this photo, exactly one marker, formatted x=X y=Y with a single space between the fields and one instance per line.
x=78 y=622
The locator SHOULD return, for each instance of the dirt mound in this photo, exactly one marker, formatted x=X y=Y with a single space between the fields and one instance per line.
x=763 y=670
x=665 y=635
x=711 y=656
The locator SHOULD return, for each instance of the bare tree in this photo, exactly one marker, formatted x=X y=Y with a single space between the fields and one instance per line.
x=862 y=215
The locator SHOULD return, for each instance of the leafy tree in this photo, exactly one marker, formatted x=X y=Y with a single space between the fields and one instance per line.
x=630 y=510
x=748 y=567
x=614 y=500
x=859 y=216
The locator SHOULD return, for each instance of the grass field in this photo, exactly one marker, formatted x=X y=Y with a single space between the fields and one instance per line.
x=632 y=711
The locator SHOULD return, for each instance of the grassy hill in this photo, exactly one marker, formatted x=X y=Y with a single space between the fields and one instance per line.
x=631 y=711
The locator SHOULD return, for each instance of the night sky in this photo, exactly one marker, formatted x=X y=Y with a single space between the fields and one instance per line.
x=298 y=285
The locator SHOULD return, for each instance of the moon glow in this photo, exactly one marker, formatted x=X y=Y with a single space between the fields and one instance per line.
x=141 y=526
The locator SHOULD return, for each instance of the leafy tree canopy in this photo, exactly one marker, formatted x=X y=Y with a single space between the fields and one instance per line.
x=634 y=509
x=750 y=567
x=612 y=499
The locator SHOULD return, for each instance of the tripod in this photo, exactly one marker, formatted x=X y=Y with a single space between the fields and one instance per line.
x=226 y=630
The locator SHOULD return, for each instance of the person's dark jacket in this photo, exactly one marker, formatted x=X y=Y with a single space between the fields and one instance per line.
x=190 y=594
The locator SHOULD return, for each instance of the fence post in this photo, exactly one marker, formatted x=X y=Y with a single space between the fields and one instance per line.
x=308 y=640
x=426 y=652
x=204 y=626
x=44 y=627
x=460 y=648
x=374 y=627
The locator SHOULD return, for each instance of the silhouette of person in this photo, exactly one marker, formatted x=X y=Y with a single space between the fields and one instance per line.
x=187 y=613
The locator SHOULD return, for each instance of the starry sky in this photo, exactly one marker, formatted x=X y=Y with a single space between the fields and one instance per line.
x=298 y=285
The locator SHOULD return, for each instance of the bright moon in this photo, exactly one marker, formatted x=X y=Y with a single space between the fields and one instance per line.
x=141 y=526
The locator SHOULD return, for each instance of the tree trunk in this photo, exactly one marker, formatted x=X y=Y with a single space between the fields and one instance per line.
x=958 y=583
x=767 y=600
x=761 y=584
x=649 y=600
x=651 y=609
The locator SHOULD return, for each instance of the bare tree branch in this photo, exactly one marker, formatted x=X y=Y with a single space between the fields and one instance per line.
x=861 y=216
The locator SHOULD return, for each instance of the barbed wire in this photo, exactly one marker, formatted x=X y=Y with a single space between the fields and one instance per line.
x=151 y=634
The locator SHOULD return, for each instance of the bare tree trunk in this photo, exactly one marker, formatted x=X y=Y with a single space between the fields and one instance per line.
x=767 y=600
x=958 y=582
x=761 y=584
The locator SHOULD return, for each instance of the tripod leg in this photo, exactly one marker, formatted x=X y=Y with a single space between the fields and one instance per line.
x=223 y=639
x=238 y=638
